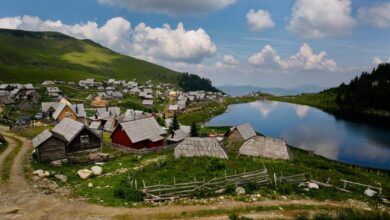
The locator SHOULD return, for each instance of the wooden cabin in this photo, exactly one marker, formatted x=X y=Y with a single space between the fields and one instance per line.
x=200 y=147
x=242 y=132
x=68 y=136
x=265 y=147
x=140 y=133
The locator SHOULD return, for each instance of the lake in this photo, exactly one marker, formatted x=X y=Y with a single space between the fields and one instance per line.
x=312 y=129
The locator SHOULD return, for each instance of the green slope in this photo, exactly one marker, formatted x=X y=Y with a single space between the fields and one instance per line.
x=36 y=56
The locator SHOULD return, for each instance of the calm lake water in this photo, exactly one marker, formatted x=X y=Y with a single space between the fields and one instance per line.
x=312 y=129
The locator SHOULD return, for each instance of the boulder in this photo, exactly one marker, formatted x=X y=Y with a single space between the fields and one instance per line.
x=240 y=190
x=37 y=172
x=98 y=157
x=56 y=163
x=44 y=174
x=61 y=177
x=96 y=170
x=90 y=185
x=84 y=174
x=313 y=186
x=369 y=192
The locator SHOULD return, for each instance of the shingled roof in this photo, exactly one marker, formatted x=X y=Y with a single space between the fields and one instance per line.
x=265 y=147
x=246 y=131
x=68 y=128
x=42 y=137
x=143 y=129
x=200 y=147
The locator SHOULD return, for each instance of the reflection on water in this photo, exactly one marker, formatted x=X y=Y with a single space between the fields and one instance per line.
x=313 y=129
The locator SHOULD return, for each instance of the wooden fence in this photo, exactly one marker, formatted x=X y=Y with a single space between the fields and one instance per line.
x=218 y=184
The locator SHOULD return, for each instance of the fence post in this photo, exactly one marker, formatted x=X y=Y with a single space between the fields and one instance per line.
x=275 y=179
x=174 y=180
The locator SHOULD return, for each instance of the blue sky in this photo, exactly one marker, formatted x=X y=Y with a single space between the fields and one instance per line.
x=319 y=42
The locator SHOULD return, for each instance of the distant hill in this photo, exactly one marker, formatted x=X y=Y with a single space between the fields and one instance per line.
x=244 y=90
x=27 y=56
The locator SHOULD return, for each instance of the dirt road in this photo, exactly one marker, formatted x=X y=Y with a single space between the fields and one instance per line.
x=19 y=200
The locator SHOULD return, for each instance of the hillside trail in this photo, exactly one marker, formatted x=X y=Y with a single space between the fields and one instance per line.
x=19 y=200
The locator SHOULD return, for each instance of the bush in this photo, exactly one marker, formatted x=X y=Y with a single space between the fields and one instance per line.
x=251 y=187
x=215 y=165
x=129 y=194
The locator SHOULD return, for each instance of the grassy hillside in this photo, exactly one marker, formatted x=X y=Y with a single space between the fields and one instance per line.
x=36 y=56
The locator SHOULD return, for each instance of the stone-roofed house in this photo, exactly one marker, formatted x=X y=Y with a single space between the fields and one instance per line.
x=140 y=133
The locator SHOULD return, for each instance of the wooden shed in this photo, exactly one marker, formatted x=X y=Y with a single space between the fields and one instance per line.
x=49 y=147
x=242 y=132
x=265 y=147
x=139 y=133
x=200 y=147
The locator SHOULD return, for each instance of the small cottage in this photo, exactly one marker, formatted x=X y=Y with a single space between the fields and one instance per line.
x=241 y=133
x=68 y=136
x=140 y=133
x=259 y=146
x=200 y=147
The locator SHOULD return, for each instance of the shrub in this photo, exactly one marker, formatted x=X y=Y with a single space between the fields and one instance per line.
x=129 y=194
x=215 y=165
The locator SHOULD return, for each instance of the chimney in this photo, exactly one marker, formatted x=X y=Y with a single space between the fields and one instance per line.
x=77 y=109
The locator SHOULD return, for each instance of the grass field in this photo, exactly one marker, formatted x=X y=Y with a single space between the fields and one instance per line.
x=37 y=56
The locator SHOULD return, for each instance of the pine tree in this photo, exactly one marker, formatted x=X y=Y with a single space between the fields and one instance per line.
x=174 y=124
x=194 y=130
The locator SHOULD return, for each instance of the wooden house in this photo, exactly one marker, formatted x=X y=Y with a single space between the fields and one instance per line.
x=177 y=136
x=200 y=147
x=68 y=136
x=140 y=133
x=99 y=102
x=241 y=133
x=265 y=147
x=75 y=112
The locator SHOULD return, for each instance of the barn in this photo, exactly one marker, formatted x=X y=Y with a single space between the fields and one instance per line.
x=242 y=132
x=139 y=133
x=200 y=147
x=265 y=147
x=68 y=136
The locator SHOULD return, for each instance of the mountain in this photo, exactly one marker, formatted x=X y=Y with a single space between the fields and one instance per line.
x=27 y=56
x=244 y=90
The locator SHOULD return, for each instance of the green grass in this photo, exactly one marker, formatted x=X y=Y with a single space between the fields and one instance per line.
x=5 y=170
x=34 y=57
x=32 y=132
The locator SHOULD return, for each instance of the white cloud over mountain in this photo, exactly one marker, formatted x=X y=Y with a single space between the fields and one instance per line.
x=304 y=59
x=171 y=7
x=259 y=20
x=161 y=44
x=377 y=15
x=321 y=18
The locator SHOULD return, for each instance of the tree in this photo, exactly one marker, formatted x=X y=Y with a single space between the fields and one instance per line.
x=174 y=124
x=194 y=130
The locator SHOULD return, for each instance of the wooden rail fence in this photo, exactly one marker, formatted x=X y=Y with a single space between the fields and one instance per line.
x=218 y=184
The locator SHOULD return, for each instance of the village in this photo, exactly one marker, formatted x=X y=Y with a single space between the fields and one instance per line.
x=124 y=143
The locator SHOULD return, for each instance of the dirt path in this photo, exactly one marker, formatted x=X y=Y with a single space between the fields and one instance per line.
x=19 y=200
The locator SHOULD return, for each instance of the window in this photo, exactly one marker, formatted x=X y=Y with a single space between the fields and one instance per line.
x=84 y=139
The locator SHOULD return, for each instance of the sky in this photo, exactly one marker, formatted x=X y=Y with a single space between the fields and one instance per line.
x=267 y=43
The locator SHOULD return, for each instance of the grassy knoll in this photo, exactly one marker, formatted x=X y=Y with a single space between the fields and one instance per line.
x=5 y=170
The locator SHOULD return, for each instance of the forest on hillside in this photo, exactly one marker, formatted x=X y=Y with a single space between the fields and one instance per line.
x=192 y=82
x=369 y=90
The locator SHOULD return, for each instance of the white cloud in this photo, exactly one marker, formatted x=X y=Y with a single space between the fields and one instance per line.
x=321 y=18
x=377 y=15
x=259 y=20
x=154 y=44
x=228 y=61
x=171 y=7
x=305 y=59
x=376 y=61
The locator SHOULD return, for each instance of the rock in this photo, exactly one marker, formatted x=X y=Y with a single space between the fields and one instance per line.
x=313 y=186
x=37 y=172
x=369 y=192
x=56 y=163
x=90 y=185
x=284 y=197
x=301 y=185
x=84 y=174
x=98 y=157
x=44 y=174
x=96 y=170
x=306 y=189
x=240 y=190
x=100 y=163
x=61 y=177
x=139 y=157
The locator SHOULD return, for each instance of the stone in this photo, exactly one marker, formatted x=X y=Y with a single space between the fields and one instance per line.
x=37 y=172
x=306 y=189
x=284 y=197
x=90 y=185
x=240 y=190
x=61 y=177
x=369 y=192
x=96 y=170
x=313 y=186
x=100 y=163
x=56 y=163
x=44 y=174
x=139 y=157
x=84 y=174
x=98 y=157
